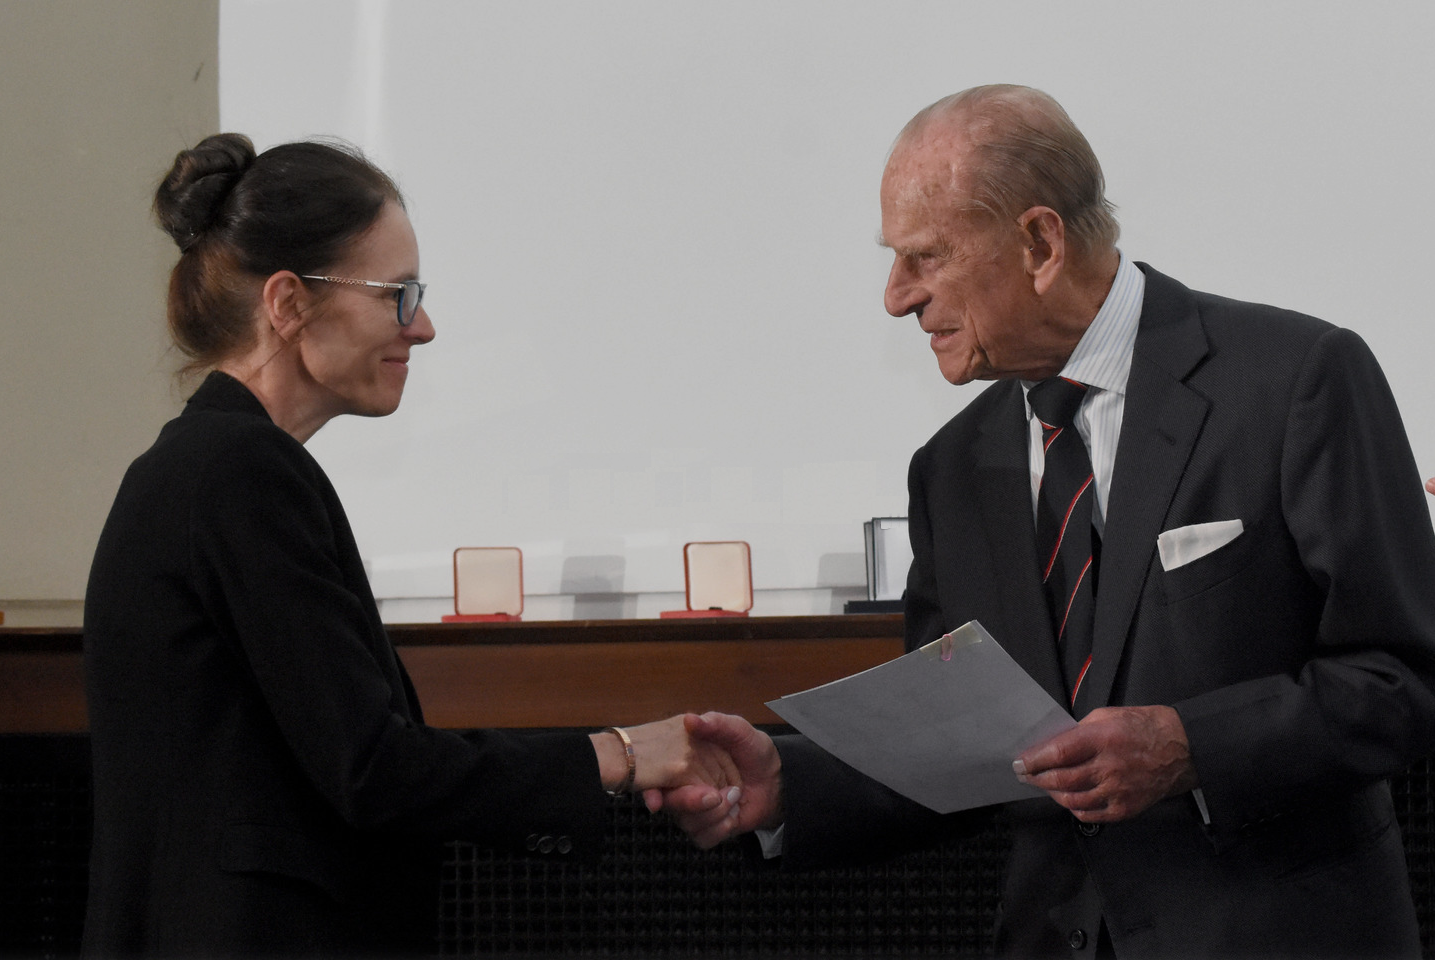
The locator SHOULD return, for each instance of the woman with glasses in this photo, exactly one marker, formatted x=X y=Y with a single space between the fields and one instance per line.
x=263 y=778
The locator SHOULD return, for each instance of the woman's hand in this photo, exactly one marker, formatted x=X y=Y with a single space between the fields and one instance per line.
x=665 y=756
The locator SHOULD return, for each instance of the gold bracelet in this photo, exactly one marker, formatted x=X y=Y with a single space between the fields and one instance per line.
x=627 y=784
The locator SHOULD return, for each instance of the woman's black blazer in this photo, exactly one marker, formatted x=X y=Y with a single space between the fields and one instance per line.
x=263 y=778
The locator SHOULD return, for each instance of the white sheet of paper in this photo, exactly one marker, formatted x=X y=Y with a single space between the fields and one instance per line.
x=940 y=725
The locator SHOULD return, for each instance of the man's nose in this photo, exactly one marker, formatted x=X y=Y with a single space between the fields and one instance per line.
x=904 y=295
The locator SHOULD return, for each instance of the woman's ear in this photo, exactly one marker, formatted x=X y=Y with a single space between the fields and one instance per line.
x=287 y=304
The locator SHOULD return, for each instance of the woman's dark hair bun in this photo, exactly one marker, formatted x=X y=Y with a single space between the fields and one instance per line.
x=191 y=197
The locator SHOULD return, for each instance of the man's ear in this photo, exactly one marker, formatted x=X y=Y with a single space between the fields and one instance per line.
x=287 y=305
x=1045 y=236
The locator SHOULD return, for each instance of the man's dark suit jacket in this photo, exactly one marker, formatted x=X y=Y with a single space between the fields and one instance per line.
x=1300 y=656
x=263 y=779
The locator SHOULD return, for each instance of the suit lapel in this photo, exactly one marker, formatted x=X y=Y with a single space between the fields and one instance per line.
x=1162 y=419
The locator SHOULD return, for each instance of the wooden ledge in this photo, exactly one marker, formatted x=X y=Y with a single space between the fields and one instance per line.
x=535 y=674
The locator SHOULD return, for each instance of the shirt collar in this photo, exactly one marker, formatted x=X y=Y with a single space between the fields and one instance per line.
x=1102 y=357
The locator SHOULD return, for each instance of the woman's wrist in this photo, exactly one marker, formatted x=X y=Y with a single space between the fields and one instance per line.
x=617 y=761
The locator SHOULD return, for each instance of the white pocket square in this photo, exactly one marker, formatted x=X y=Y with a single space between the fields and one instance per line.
x=1180 y=546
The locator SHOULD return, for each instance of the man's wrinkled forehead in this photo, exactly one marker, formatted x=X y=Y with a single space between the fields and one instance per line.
x=930 y=164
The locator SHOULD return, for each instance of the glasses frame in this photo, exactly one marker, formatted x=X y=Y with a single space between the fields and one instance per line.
x=404 y=286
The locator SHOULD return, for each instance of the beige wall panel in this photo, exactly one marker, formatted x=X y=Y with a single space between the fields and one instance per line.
x=95 y=100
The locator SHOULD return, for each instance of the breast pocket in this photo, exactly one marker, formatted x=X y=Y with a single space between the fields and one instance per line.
x=1218 y=566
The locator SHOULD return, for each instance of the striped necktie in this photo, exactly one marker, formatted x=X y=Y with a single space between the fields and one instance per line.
x=1066 y=543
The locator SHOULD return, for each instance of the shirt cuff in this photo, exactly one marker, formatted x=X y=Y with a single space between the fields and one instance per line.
x=770 y=841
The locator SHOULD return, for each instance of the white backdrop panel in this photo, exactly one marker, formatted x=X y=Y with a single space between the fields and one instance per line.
x=649 y=233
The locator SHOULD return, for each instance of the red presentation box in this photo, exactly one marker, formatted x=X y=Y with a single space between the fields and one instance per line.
x=487 y=584
x=718 y=578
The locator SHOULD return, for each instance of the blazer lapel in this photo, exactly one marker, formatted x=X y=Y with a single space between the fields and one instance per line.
x=1162 y=419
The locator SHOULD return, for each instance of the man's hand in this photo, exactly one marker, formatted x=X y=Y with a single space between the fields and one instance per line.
x=1430 y=484
x=1114 y=764
x=758 y=802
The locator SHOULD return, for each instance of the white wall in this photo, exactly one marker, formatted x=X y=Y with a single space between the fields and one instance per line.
x=648 y=229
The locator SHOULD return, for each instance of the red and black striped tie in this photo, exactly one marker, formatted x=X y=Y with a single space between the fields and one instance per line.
x=1066 y=543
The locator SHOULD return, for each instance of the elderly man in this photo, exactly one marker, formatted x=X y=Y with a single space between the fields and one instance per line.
x=1196 y=521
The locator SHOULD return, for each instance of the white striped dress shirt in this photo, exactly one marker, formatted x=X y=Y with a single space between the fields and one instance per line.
x=1102 y=361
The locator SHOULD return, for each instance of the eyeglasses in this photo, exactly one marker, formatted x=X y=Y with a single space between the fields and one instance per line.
x=411 y=293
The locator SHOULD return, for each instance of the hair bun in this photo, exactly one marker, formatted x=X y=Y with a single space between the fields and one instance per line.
x=190 y=197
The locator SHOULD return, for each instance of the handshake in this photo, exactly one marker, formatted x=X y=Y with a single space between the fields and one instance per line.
x=720 y=777
x=715 y=774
